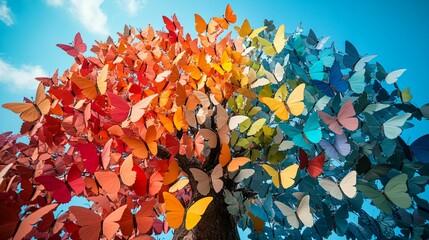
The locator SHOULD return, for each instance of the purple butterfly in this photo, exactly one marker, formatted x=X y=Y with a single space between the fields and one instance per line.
x=340 y=146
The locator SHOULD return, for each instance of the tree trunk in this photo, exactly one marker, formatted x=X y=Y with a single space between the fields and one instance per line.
x=216 y=223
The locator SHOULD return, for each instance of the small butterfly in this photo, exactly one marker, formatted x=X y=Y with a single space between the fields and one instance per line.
x=77 y=47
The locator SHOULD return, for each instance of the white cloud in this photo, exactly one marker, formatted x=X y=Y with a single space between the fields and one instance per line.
x=5 y=13
x=22 y=78
x=89 y=13
x=55 y=3
x=132 y=6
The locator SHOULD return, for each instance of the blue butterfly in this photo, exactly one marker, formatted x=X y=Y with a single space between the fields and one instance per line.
x=311 y=133
x=336 y=82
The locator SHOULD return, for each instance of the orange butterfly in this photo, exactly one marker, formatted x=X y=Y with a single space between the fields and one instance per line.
x=175 y=212
x=31 y=111
x=140 y=148
x=92 y=226
x=201 y=26
x=228 y=18
x=89 y=89
x=202 y=67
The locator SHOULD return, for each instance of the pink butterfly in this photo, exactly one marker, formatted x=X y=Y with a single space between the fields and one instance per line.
x=346 y=118
x=78 y=46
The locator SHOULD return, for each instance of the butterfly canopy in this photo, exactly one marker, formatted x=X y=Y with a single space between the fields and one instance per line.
x=282 y=133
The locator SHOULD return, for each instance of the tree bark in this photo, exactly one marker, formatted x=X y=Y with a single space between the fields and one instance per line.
x=216 y=223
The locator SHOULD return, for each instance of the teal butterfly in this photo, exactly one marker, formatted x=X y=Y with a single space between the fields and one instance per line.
x=357 y=81
x=311 y=133
x=316 y=71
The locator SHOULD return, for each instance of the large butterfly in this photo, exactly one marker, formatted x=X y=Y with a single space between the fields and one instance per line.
x=175 y=212
x=31 y=111
x=60 y=189
x=92 y=226
x=285 y=177
x=278 y=44
x=346 y=118
x=228 y=18
x=394 y=193
x=203 y=180
x=335 y=84
x=302 y=213
x=281 y=107
x=247 y=31
x=314 y=166
x=346 y=187
x=311 y=133
x=89 y=89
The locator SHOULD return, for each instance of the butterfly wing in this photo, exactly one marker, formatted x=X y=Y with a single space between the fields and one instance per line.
x=324 y=87
x=332 y=188
x=60 y=191
x=347 y=116
x=102 y=79
x=329 y=149
x=312 y=129
x=216 y=174
x=174 y=210
x=279 y=39
x=87 y=86
x=128 y=176
x=352 y=55
x=78 y=43
x=203 y=181
x=194 y=213
x=392 y=127
x=341 y=145
x=27 y=224
x=70 y=50
x=357 y=81
x=110 y=225
x=396 y=191
x=277 y=107
x=377 y=197
x=420 y=148
x=294 y=101
x=273 y=173
x=288 y=213
x=336 y=79
x=287 y=175
x=348 y=184
x=331 y=122
x=89 y=221
x=304 y=213
x=303 y=159
x=315 y=167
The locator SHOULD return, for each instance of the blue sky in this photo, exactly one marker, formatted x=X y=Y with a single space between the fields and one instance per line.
x=394 y=30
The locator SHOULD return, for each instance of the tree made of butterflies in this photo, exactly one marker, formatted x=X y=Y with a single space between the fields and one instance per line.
x=268 y=131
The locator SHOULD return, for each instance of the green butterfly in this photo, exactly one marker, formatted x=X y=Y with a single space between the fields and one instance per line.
x=395 y=192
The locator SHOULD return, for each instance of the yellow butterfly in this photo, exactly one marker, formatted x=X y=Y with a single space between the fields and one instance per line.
x=293 y=104
x=225 y=64
x=175 y=211
x=286 y=176
x=246 y=30
x=278 y=44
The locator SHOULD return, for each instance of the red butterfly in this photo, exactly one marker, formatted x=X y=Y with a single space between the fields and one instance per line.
x=60 y=189
x=78 y=46
x=172 y=25
x=314 y=167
